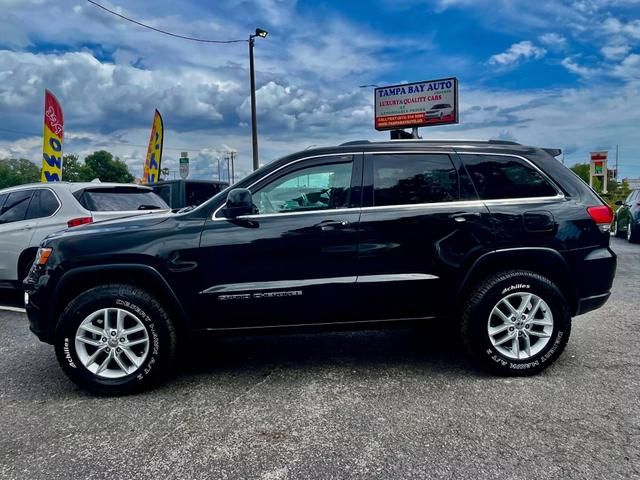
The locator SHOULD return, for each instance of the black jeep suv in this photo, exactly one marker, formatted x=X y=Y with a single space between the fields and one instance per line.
x=496 y=236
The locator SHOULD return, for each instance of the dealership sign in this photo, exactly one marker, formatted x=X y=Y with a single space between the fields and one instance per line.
x=422 y=104
x=598 y=168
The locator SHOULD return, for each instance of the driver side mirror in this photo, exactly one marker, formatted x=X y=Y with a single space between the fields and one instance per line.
x=239 y=202
x=619 y=203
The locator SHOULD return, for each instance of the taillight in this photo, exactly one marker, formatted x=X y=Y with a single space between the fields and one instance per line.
x=602 y=215
x=75 y=222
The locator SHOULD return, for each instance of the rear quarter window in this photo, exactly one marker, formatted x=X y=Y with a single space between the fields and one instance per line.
x=500 y=177
x=120 y=200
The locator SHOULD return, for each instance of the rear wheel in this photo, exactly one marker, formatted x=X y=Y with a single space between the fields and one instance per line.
x=516 y=323
x=615 y=230
x=632 y=235
x=115 y=339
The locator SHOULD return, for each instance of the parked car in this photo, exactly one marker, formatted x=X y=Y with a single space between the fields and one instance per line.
x=496 y=236
x=627 y=220
x=187 y=193
x=29 y=213
x=439 y=111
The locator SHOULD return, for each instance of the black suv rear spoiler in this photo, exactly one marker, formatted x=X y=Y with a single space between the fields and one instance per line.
x=554 y=152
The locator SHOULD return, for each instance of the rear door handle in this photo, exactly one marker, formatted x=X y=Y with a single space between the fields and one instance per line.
x=462 y=217
x=333 y=224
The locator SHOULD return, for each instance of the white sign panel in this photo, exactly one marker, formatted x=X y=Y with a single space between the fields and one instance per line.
x=421 y=104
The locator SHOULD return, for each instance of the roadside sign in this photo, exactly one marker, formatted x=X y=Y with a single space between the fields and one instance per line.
x=599 y=168
x=184 y=165
x=421 y=104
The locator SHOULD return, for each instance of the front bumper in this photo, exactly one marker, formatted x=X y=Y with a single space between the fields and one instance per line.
x=37 y=299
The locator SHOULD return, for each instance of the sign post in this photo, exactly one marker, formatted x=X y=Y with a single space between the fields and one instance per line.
x=413 y=105
x=598 y=168
x=184 y=165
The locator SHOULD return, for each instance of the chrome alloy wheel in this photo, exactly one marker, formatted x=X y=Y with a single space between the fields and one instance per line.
x=629 y=231
x=112 y=343
x=520 y=325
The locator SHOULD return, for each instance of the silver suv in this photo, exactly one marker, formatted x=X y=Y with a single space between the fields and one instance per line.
x=28 y=213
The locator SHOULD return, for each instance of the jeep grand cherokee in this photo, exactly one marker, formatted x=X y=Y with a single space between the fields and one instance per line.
x=498 y=237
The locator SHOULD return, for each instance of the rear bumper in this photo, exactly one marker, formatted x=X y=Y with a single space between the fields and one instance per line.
x=592 y=303
x=596 y=271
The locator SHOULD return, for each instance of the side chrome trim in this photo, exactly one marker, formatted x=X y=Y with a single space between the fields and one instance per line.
x=283 y=284
x=289 y=214
x=323 y=324
x=395 y=277
x=278 y=284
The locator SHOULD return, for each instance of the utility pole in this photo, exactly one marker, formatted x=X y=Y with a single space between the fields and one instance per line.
x=616 y=163
x=233 y=161
x=254 y=121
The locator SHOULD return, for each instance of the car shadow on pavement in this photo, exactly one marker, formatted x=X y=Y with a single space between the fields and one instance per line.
x=434 y=348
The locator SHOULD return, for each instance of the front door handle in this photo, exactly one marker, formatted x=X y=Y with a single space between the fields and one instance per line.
x=333 y=224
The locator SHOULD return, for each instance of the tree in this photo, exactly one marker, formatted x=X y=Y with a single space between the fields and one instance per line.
x=104 y=166
x=582 y=170
x=72 y=169
x=17 y=172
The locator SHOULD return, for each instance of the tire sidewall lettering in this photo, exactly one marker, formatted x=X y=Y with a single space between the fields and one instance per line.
x=155 y=347
x=549 y=351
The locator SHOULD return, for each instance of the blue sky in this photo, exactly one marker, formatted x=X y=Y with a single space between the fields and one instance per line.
x=550 y=73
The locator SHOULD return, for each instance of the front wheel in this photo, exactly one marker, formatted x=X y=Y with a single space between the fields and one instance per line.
x=115 y=339
x=516 y=323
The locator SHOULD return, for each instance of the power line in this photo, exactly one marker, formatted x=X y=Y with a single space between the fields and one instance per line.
x=115 y=142
x=184 y=37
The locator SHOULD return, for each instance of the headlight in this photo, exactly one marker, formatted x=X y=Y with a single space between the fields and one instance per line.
x=42 y=256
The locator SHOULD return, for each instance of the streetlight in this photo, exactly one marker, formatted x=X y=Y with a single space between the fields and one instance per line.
x=254 y=122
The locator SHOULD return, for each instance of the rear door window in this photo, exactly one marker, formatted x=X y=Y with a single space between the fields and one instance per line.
x=15 y=206
x=499 y=177
x=404 y=179
x=120 y=199
x=43 y=204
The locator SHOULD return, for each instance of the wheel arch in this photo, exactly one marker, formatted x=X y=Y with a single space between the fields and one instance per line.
x=74 y=282
x=545 y=261
x=27 y=255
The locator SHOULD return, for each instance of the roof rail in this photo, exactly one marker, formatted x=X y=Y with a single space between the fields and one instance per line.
x=444 y=140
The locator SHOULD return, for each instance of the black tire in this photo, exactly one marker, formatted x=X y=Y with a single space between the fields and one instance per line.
x=160 y=330
x=632 y=234
x=615 y=230
x=477 y=310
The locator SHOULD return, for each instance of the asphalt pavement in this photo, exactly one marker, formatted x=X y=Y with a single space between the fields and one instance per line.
x=380 y=404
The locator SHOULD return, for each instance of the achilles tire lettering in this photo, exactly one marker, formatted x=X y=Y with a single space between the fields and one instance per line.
x=67 y=353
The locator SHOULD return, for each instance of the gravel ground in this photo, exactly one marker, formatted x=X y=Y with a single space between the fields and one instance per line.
x=379 y=404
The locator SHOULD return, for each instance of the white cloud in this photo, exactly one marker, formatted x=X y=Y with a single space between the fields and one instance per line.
x=554 y=41
x=524 y=50
x=613 y=25
x=615 y=51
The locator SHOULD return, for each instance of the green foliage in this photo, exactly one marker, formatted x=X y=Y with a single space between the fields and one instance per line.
x=17 y=172
x=582 y=170
x=72 y=169
x=103 y=165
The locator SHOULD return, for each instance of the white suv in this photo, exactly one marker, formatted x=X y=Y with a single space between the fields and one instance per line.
x=28 y=213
